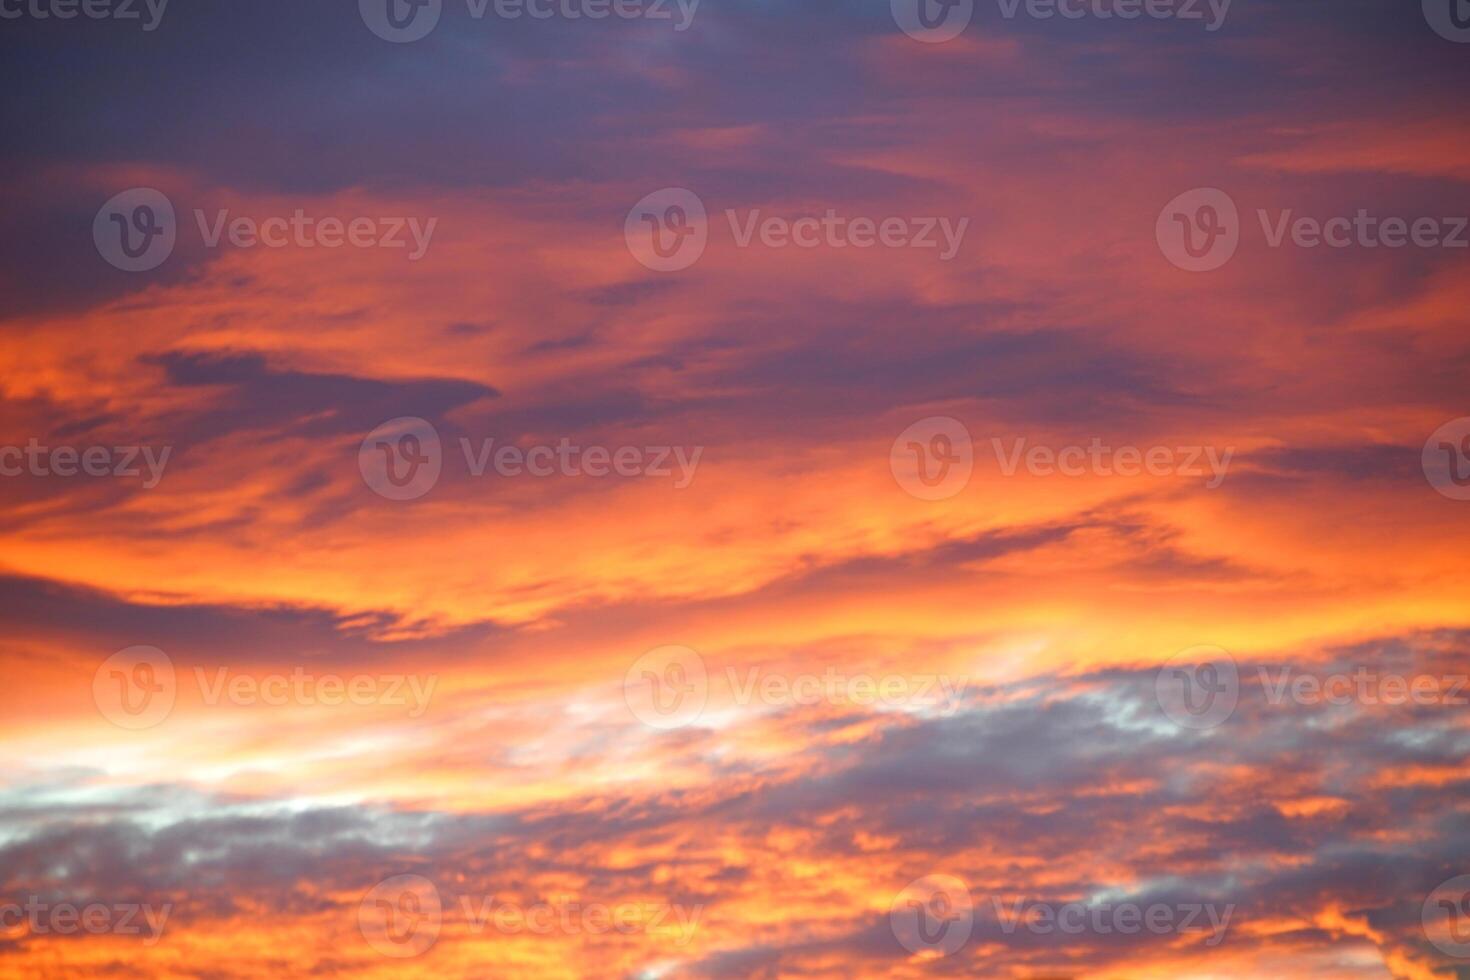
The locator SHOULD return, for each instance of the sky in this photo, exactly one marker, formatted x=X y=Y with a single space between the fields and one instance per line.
x=734 y=489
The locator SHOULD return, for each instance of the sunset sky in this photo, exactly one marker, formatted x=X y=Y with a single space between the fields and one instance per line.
x=647 y=496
